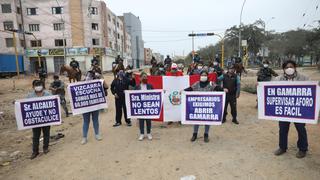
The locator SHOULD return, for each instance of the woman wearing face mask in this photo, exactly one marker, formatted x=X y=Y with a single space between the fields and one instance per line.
x=144 y=86
x=38 y=91
x=290 y=73
x=203 y=85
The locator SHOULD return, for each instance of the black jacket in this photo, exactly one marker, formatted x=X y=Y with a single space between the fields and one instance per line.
x=118 y=87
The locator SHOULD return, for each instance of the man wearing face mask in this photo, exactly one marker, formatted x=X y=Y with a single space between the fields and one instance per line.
x=291 y=74
x=38 y=91
x=174 y=71
x=118 y=86
x=160 y=71
x=217 y=69
x=203 y=85
x=265 y=73
x=231 y=82
x=57 y=88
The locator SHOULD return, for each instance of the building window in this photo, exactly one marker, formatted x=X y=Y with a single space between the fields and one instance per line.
x=110 y=44
x=20 y=27
x=118 y=36
x=32 y=11
x=57 y=10
x=9 y=42
x=22 y=43
x=117 y=24
x=6 y=8
x=59 y=42
x=18 y=10
x=94 y=26
x=109 y=17
x=8 y=25
x=34 y=27
x=94 y=10
x=34 y=43
x=114 y=21
x=95 y=42
x=58 y=26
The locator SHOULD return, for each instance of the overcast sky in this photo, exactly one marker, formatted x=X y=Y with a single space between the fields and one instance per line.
x=166 y=23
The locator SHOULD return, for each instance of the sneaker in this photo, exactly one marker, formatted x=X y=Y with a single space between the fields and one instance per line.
x=301 y=154
x=279 y=152
x=84 y=141
x=149 y=136
x=223 y=121
x=117 y=124
x=194 y=137
x=129 y=124
x=45 y=151
x=141 y=137
x=235 y=121
x=98 y=137
x=34 y=155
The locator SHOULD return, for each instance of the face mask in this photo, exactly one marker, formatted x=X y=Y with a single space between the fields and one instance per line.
x=203 y=78
x=199 y=67
x=161 y=69
x=231 y=71
x=289 y=71
x=265 y=65
x=38 y=88
x=215 y=63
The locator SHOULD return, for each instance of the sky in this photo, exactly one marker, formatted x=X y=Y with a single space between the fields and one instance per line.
x=167 y=23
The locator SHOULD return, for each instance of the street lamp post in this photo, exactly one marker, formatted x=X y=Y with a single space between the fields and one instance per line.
x=38 y=47
x=239 y=50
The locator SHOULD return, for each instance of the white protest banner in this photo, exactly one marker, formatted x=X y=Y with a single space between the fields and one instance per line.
x=291 y=101
x=144 y=104
x=202 y=108
x=38 y=112
x=87 y=96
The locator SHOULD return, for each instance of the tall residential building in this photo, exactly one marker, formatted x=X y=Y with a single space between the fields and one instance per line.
x=65 y=29
x=133 y=26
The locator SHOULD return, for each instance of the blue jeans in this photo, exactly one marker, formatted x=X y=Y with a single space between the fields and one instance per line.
x=141 y=125
x=206 y=129
x=86 y=122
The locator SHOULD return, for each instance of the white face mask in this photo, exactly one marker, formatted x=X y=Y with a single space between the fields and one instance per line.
x=265 y=65
x=199 y=67
x=38 y=88
x=289 y=71
x=203 y=78
x=215 y=63
x=161 y=69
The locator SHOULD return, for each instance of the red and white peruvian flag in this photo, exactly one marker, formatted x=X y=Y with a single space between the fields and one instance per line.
x=173 y=85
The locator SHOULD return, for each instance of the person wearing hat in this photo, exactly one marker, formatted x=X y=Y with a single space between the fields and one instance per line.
x=216 y=68
x=168 y=61
x=75 y=65
x=160 y=71
x=290 y=73
x=174 y=71
x=118 y=86
x=57 y=88
x=203 y=85
x=39 y=91
x=231 y=81
x=144 y=86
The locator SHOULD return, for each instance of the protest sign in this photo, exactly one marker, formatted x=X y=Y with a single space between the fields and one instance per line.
x=144 y=104
x=292 y=101
x=202 y=108
x=37 y=112
x=87 y=96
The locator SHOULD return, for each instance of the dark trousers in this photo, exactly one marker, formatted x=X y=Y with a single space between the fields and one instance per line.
x=302 y=135
x=232 y=100
x=63 y=103
x=121 y=105
x=36 y=138
x=141 y=125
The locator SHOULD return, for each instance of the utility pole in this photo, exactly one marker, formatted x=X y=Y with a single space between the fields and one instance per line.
x=16 y=51
x=239 y=50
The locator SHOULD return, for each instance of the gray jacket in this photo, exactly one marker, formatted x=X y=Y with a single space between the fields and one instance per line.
x=297 y=77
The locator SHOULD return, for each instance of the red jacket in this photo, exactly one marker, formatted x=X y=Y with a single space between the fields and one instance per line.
x=178 y=73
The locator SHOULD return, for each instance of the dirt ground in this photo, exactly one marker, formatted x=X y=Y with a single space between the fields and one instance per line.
x=242 y=151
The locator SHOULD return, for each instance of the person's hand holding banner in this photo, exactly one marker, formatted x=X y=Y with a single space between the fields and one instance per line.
x=202 y=108
x=87 y=96
x=38 y=112
x=295 y=101
x=144 y=104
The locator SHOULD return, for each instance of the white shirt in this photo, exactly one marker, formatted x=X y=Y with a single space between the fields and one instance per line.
x=143 y=86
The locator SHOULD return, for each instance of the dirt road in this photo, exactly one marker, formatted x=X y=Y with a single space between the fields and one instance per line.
x=242 y=151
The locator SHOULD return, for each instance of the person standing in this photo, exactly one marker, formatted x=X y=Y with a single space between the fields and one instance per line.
x=118 y=86
x=144 y=86
x=38 y=91
x=290 y=73
x=231 y=82
x=174 y=71
x=265 y=73
x=168 y=61
x=75 y=65
x=203 y=85
x=216 y=68
x=91 y=75
x=57 y=88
